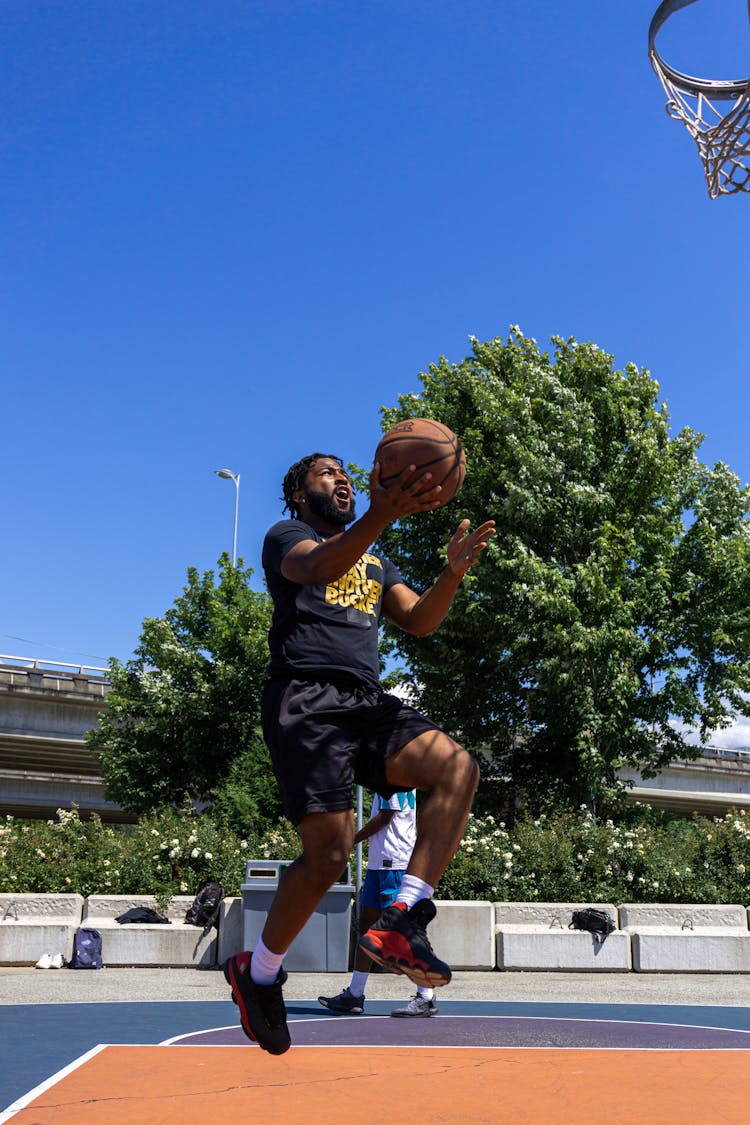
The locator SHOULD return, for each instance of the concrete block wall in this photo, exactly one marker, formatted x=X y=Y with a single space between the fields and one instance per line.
x=535 y=936
x=469 y=935
x=177 y=944
x=686 y=938
x=462 y=934
x=31 y=925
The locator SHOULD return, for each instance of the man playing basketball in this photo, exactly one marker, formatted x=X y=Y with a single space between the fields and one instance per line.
x=329 y=724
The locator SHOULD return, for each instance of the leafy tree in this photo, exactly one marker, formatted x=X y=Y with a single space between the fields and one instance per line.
x=185 y=710
x=613 y=603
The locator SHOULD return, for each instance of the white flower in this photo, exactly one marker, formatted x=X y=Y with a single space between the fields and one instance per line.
x=195 y=853
x=741 y=868
x=243 y=845
x=183 y=887
x=154 y=831
x=209 y=855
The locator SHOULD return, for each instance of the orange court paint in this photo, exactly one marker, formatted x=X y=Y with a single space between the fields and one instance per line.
x=167 y=1085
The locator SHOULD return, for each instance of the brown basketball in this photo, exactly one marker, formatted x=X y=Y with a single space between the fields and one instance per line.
x=430 y=446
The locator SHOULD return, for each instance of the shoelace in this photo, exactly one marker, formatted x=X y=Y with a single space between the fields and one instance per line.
x=272 y=1002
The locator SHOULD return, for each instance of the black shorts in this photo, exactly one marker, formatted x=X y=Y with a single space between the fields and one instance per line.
x=325 y=736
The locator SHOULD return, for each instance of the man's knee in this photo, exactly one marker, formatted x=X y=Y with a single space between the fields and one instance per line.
x=467 y=771
x=325 y=853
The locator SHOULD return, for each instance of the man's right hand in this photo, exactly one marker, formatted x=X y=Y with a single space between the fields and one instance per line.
x=412 y=491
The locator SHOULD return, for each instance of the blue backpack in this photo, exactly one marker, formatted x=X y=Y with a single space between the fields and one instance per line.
x=87 y=950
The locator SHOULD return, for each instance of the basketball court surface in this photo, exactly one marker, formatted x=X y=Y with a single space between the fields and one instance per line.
x=477 y=1061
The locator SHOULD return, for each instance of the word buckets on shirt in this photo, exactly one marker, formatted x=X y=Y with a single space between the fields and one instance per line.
x=354 y=589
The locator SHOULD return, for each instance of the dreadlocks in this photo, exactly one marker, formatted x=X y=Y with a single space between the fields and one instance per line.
x=295 y=477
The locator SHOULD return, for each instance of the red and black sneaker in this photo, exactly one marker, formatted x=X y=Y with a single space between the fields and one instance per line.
x=262 y=1011
x=399 y=943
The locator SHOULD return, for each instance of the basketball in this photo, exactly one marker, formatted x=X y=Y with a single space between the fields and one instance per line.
x=430 y=446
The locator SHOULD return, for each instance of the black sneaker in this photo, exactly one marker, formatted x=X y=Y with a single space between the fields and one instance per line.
x=398 y=942
x=262 y=1011
x=345 y=1002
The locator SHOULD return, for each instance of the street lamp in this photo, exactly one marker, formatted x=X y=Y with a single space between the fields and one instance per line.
x=227 y=474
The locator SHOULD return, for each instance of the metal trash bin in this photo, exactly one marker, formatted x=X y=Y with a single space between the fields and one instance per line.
x=322 y=946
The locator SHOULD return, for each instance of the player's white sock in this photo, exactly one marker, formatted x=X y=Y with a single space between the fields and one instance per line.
x=358 y=983
x=413 y=889
x=425 y=993
x=265 y=965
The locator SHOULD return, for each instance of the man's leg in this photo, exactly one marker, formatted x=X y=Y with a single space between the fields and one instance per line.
x=436 y=763
x=327 y=841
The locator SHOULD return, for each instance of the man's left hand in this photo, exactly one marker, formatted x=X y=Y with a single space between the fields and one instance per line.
x=465 y=547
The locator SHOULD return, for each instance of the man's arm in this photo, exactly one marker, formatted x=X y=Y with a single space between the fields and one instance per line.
x=422 y=615
x=316 y=564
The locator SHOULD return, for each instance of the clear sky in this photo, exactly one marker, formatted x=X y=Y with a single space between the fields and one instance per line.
x=231 y=230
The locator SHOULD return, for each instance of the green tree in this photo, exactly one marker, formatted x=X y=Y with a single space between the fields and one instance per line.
x=614 y=600
x=185 y=710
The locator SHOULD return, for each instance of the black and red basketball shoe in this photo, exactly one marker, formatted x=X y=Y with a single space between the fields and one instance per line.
x=399 y=943
x=262 y=1011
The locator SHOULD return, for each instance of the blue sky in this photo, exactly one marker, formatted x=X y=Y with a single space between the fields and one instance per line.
x=230 y=231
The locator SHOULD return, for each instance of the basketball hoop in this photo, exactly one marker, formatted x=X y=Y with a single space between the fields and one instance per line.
x=721 y=131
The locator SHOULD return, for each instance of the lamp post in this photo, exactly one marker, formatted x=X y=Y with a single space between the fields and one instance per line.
x=227 y=474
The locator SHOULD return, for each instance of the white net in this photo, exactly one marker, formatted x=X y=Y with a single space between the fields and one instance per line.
x=721 y=132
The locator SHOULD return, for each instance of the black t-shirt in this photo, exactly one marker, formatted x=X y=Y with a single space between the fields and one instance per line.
x=325 y=628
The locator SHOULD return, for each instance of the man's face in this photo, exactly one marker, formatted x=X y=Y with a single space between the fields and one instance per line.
x=328 y=493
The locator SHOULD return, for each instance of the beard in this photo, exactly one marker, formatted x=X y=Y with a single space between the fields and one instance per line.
x=324 y=507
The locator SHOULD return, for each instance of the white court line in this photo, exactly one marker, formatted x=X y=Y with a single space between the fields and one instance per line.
x=26 y=1099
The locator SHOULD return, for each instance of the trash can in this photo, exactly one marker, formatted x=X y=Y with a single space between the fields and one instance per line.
x=322 y=946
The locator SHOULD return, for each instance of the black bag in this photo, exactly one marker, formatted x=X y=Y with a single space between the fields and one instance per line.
x=597 y=922
x=87 y=950
x=205 y=909
x=141 y=914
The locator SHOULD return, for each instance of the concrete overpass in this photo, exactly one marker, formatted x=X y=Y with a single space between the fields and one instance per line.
x=45 y=710
x=717 y=781
x=47 y=707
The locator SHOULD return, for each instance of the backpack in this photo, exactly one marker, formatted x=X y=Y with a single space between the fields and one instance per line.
x=205 y=909
x=87 y=950
x=597 y=922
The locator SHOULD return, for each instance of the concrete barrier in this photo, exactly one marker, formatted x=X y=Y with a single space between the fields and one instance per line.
x=535 y=936
x=686 y=938
x=703 y=938
x=31 y=925
x=463 y=934
x=151 y=943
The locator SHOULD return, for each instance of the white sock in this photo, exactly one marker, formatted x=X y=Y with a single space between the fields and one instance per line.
x=425 y=993
x=413 y=889
x=358 y=983
x=265 y=965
